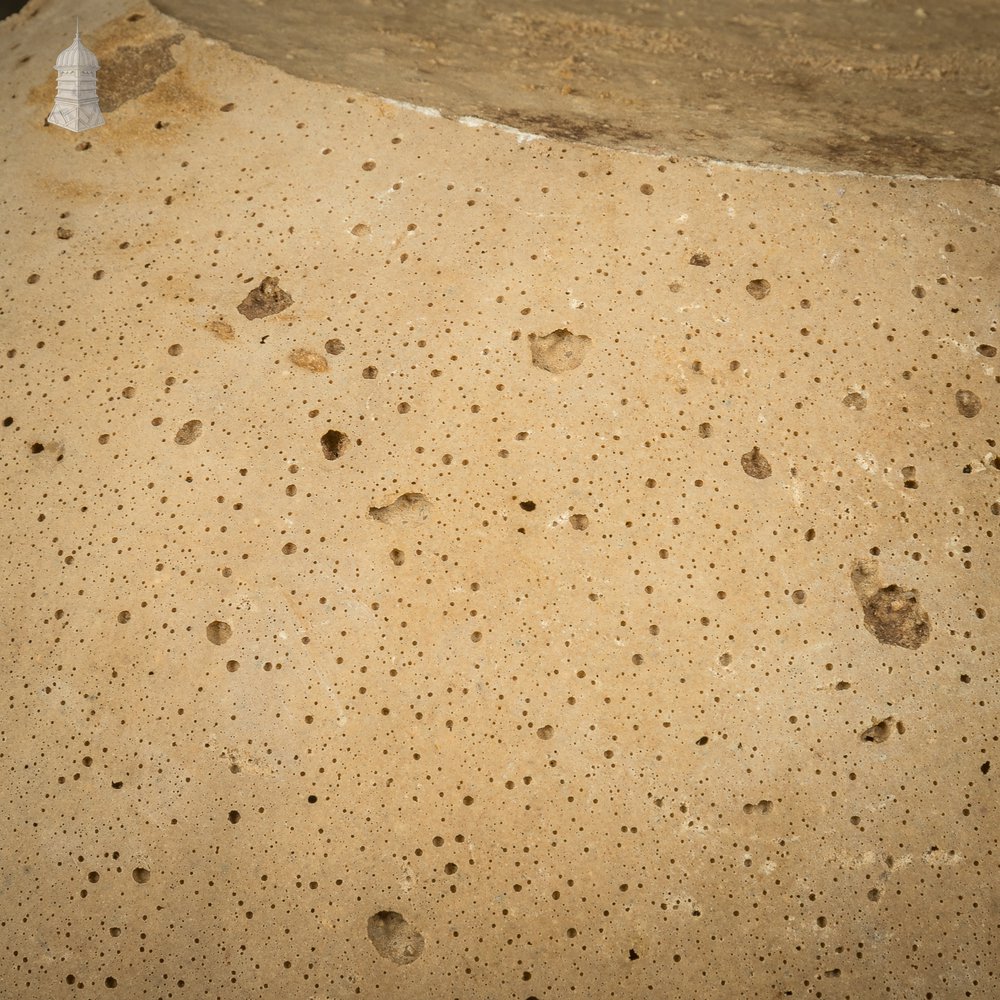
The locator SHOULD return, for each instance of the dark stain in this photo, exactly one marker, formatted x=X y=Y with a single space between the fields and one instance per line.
x=888 y=153
x=799 y=83
x=129 y=71
x=578 y=129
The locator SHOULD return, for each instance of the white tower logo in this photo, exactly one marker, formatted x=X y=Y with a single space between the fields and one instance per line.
x=76 y=105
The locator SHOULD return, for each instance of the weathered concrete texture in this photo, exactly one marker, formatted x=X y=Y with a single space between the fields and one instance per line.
x=583 y=585
x=873 y=85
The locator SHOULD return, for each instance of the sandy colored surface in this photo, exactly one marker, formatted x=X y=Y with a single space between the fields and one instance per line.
x=573 y=575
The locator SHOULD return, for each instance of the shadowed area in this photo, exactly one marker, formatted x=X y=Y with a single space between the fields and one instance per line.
x=872 y=86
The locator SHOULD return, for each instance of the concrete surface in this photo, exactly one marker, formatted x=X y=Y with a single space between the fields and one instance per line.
x=573 y=573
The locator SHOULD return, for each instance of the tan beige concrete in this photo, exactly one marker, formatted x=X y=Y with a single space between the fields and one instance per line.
x=445 y=563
